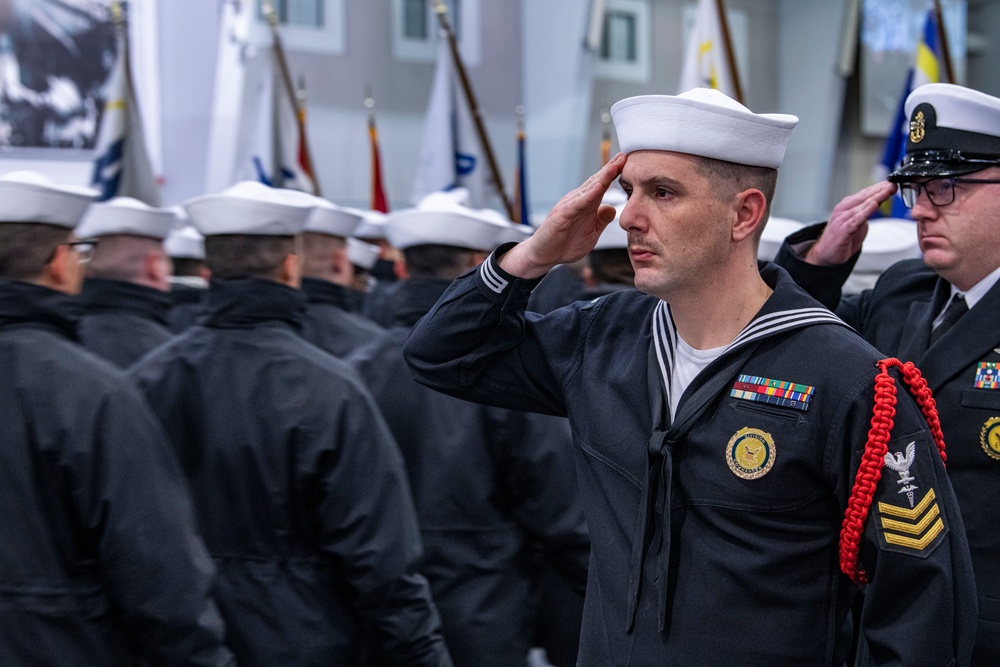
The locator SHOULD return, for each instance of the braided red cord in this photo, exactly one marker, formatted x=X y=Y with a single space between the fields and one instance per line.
x=870 y=469
x=922 y=393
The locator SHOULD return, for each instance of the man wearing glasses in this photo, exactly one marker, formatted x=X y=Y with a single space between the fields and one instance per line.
x=939 y=312
x=100 y=559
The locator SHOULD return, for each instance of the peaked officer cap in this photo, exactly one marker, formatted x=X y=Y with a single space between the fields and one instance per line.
x=953 y=130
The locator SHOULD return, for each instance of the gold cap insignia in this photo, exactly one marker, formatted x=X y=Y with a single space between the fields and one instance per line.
x=989 y=438
x=750 y=453
x=918 y=128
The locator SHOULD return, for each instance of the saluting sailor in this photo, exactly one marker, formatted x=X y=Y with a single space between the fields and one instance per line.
x=719 y=417
x=327 y=279
x=940 y=312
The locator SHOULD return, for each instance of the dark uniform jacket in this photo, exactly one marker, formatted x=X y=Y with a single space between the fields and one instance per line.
x=186 y=306
x=896 y=317
x=714 y=536
x=100 y=562
x=487 y=482
x=299 y=489
x=329 y=324
x=121 y=320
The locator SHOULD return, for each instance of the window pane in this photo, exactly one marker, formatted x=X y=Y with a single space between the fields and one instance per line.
x=304 y=12
x=415 y=19
x=619 y=42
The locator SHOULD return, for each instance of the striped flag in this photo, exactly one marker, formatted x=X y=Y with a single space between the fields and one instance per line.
x=122 y=167
x=926 y=68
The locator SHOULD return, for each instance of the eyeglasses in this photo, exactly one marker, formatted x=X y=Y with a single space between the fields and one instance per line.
x=940 y=191
x=84 y=248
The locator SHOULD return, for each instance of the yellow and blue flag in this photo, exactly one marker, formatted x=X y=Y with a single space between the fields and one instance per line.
x=926 y=69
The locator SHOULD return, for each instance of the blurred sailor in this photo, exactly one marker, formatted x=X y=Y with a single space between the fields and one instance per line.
x=327 y=279
x=100 y=560
x=299 y=489
x=488 y=483
x=125 y=301
x=189 y=279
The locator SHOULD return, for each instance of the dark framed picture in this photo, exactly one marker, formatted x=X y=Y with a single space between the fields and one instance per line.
x=55 y=58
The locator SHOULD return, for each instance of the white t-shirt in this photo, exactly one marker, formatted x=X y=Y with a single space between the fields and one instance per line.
x=688 y=362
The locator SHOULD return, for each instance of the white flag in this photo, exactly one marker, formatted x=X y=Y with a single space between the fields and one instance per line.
x=706 y=64
x=271 y=152
x=122 y=167
x=451 y=155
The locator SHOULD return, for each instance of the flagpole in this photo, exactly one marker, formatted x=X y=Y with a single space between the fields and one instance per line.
x=730 y=56
x=441 y=10
x=293 y=96
x=943 y=34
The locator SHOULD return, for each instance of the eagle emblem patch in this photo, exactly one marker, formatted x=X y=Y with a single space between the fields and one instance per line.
x=913 y=526
x=750 y=453
x=989 y=438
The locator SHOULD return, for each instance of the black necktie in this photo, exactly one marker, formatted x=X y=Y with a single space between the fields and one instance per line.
x=955 y=310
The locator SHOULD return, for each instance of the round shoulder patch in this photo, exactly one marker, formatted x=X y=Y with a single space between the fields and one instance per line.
x=750 y=453
x=989 y=438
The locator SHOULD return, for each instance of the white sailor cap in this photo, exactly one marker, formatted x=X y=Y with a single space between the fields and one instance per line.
x=125 y=215
x=328 y=218
x=889 y=240
x=774 y=235
x=371 y=227
x=28 y=196
x=613 y=235
x=703 y=122
x=362 y=254
x=953 y=130
x=250 y=207
x=514 y=232
x=444 y=222
x=185 y=242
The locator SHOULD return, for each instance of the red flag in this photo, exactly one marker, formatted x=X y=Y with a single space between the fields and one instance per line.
x=379 y=200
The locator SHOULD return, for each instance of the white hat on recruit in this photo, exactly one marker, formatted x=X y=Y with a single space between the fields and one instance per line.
x=702 y=122
x=361 y=254
x=28 y=196
x=185 y=243
x=774 y=235
x=371 y=227
x=613 y=235
x=328 y=218
x=251 y=208
x=440 y=221
x=514 y=232
x=125 y=215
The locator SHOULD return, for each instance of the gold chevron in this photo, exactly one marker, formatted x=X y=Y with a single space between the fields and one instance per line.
x=914 y=543
x=903 y=513
x=912 y=528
